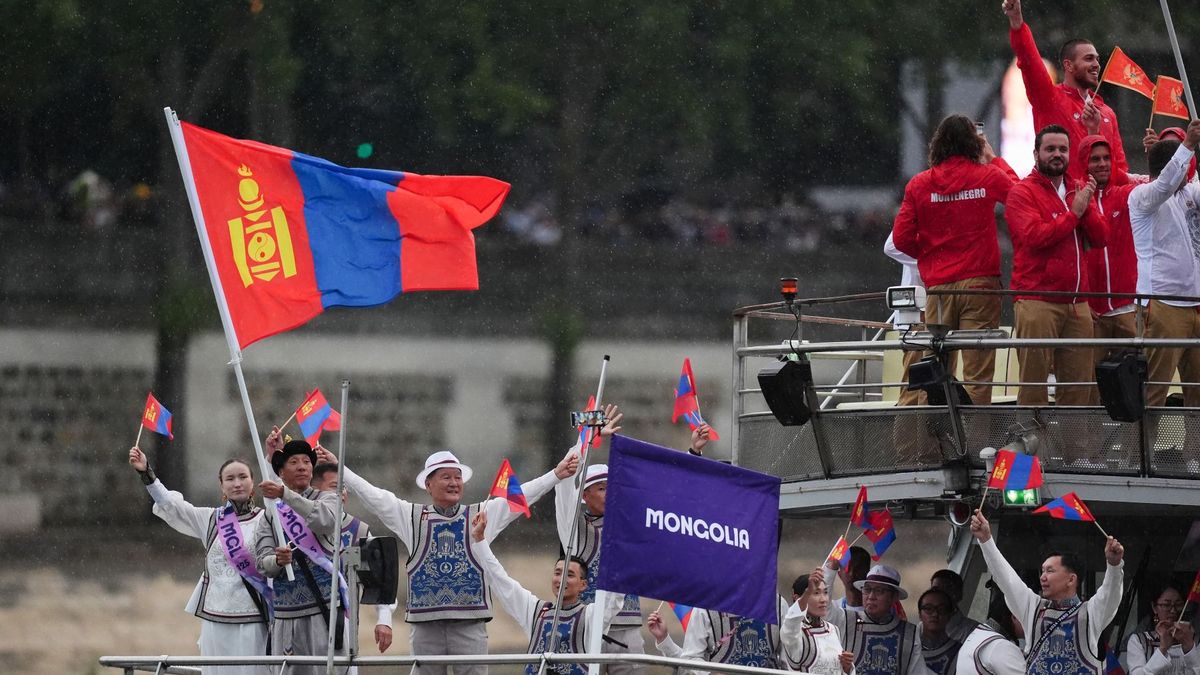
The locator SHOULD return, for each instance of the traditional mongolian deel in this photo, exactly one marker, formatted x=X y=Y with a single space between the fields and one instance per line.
x=444 y=579
x=293 y=234
x=680 y=527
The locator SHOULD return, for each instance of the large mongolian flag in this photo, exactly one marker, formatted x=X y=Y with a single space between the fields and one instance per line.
x=292 y=234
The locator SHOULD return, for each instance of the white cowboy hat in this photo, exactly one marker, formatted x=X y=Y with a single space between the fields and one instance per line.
x=443 y=459
x=883 y=575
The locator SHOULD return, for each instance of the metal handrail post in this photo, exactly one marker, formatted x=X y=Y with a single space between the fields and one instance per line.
x=741 y=338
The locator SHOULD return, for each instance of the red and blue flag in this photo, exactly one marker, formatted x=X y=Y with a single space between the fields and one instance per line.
x=882 y=532
x=682 y=612
x=314 y=415
x=293 y=234
x=841 y=552
x=1015 y=471
x=686 y=403
x=1112 y=665
x=1194 y=591
x=1067 y=507
x=861 y=512
x=157 y=418
x=508 y=487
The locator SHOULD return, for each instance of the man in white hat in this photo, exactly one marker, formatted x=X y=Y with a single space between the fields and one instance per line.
x=1062 y=632
x=882 y=642
x=449 y=603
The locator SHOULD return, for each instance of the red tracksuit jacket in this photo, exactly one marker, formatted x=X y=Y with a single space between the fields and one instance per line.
x=1112 y=269
x=1049 y=242
x=1061 y=104
x=947 y=219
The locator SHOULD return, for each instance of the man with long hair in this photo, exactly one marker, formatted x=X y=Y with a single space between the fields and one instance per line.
x=947 y=222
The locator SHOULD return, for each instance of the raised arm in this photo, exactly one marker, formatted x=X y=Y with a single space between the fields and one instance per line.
x=1020 y=600
x=1039 y=88
x=1102 y=608
x=837 y=613
x=500 y=516
x=169 y=505
x=520 y=604
x=1147 y=198
x=395 y=513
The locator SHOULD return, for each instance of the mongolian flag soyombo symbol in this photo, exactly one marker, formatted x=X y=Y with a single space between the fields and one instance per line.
x=314 y=415
x=508 y=487
x=1123 y=72
x=1067 y=507
x=1015 y=471
x=1168 y=98
x=157 y=418
x=292 y=234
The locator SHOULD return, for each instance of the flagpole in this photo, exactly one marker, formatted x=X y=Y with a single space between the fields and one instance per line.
x=281 y=426
x=337 y=532
x=138 y=440
x=985 y=493
x=235 y=352
x=1097 y=524
x=1187 y=89
x=597 y=627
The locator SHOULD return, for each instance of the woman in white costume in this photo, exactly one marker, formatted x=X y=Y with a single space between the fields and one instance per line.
x=810 y=643
x=233 y=616
x=1169 y=646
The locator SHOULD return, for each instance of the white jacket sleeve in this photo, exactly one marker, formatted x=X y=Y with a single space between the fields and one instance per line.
x=798 y=646
x=520 y=604
x=395 y=513
x=837 y=613
x=1102 y=607
x=1146 y=198
x=1020 y=599
x=564 y=507
x=179 y=513
x=696 y=640
x=319 y=513
x=1003 y=657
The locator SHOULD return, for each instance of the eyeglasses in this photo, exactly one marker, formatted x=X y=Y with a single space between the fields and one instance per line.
x=934 y=609
x=876 y=590
x=1178 y=604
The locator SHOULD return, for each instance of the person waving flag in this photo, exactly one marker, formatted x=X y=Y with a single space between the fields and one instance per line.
x=686 y=403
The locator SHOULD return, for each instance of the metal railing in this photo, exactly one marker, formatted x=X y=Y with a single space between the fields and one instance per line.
x=191 y=664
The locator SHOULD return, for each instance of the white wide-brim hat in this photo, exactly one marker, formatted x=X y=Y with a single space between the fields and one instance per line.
x=883 y=575
x=443 y=459
x=596 y=473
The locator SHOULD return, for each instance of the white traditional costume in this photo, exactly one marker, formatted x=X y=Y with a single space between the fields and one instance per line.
x=448 y=599
x=1061 y=636
x=986 y=652
x=809 y=647
x=1145 y=658
x=891 y=647
x=718 y=637
x=233 y=616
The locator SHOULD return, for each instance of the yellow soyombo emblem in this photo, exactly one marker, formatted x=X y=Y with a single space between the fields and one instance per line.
x=262 y=246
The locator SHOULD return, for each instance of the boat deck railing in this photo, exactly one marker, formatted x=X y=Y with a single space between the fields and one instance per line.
x=282 y=665
x=857 y=429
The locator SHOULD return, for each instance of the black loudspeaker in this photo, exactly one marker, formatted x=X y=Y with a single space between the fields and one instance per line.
x=1122 y=383
x=929 y=375
x=783 y=385
x=381 y=571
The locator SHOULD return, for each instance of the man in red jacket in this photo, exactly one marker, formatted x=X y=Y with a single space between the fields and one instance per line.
x=1068 y=104
x=947 y=221
x=1052 y=223
x=1112 y=269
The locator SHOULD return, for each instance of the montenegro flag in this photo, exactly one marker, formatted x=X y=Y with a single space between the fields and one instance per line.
x=1168 y=98
x=291 y=234
x=1123 y=72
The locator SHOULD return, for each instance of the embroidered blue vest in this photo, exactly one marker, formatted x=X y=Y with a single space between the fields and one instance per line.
x=879 y=648
x=295 y=599
x=1064 y=651
x=571 y=622
x=444 y=579
x=742 y=641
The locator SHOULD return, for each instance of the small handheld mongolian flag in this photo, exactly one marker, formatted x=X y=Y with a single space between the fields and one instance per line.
x=682 y=612
x=882 y=532
x=507 y=486
x=588 y=436
x=841 y=552
x=157 y=418
x=316 y=414
x=1015 y=471
x=861 y=511
x=1194 y=592
x=1067 y=507
x=1112 y=665
x=686 y=403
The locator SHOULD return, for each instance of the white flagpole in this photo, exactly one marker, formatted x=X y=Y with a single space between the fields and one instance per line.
x=1187 y=88
x=235 y=352
x=337 y=544
x=596 y=628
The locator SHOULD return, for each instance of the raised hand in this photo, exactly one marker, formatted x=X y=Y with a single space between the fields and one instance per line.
x=1114 y=552
x=1012 y=9
x=656 y=626
x=700 y=436
x=981 y=529
x=567 y=466
x=478 y=525
x=324 y=456
x=274 y=441
x=137 y=459
x=1193 y=134
x=613 y=414
x=1149 y=139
